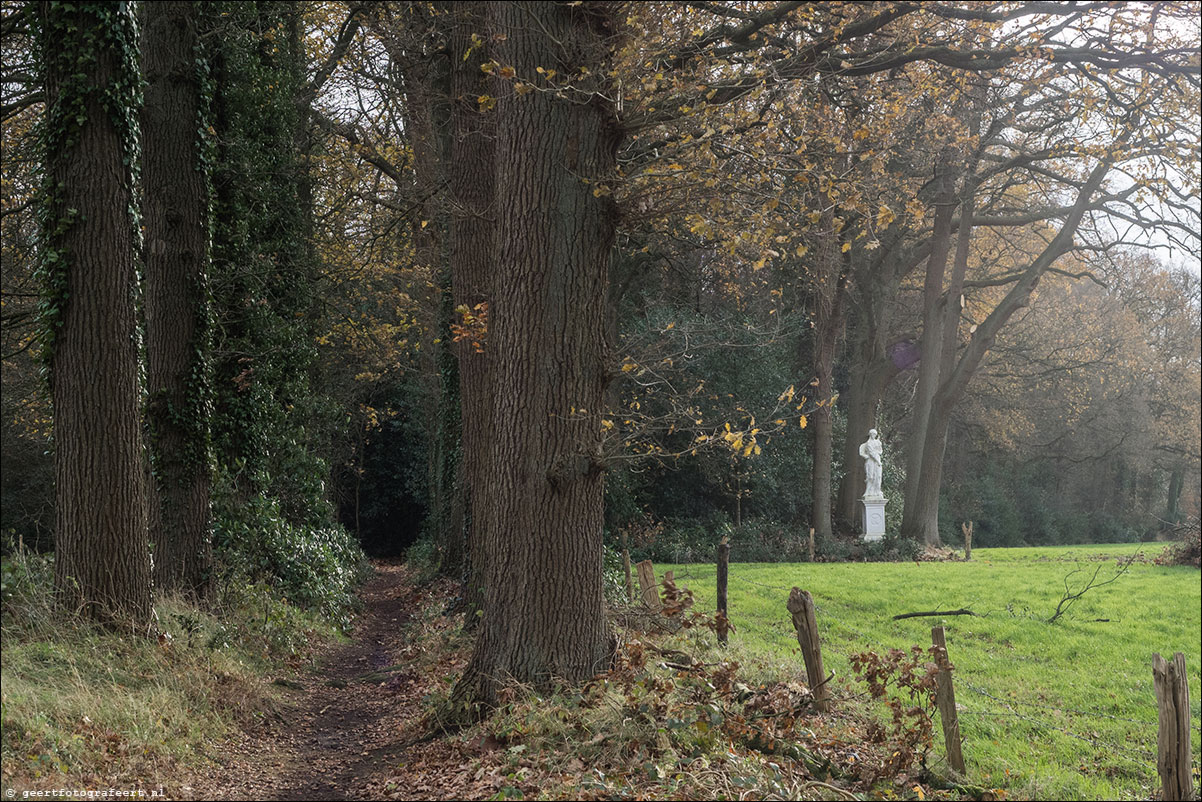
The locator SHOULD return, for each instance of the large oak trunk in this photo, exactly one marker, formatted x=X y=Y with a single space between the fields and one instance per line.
x=543 y=615
x=472 y=183
x=102 y=559
x=177 y=314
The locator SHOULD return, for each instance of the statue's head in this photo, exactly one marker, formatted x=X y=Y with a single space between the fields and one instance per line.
x=872 y=433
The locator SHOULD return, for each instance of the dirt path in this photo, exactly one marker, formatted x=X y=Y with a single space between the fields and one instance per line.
x=348 y=730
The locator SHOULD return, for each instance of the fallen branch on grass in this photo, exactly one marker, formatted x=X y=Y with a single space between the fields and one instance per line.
x=1070 y=596
x=961 y=611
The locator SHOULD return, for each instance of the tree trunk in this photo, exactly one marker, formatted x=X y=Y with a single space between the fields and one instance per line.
x=738 y=500
x=177 y=305
x=868 y=380
x=1172 y=513
x=925 y=513
x=543 y=615
x=922 y=513
x=421 y=72
x=472 y=180
x=102 y=559
x=930 y=346
x=872 y=367
x=828 y=325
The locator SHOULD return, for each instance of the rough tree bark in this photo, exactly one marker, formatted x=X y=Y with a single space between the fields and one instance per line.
x=177 y=306
x=543 y=615
x=472 y=181
x=102 y=557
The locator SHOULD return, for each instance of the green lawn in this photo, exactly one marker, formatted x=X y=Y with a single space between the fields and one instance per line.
x=1050 y=711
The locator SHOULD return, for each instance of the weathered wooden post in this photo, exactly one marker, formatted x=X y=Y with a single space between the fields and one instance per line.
x=811 y=544
x=723 y=574
x=647 y=588
x=967 y=530
x=1172 y=738
x=626 y=567
x=945 y=699
x=801 y=607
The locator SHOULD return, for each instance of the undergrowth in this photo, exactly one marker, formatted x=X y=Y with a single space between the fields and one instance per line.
x=87 y=708
x=679 y=717
x=1188 y=548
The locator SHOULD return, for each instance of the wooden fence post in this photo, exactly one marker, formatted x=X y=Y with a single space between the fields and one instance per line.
x=967 y=530
x=723 y=575
x=945 y=698
x=1172 y=738
x=811 y=544
x=650 y=593
x=626 y=567
x=801 y=607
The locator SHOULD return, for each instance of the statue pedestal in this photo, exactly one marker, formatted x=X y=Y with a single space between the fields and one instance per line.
x=874 y=517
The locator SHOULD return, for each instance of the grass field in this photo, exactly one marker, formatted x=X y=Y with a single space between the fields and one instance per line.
x=1049 y=711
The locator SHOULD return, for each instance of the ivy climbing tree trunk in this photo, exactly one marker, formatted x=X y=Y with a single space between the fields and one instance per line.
x=175 y=203
x=543 y=614
x=267 y=412
x=92 y=88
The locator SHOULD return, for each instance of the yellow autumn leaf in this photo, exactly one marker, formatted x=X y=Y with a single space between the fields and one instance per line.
x=846 y=247
x=802 y=422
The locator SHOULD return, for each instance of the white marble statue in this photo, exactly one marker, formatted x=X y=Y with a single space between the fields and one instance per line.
x=870 y=450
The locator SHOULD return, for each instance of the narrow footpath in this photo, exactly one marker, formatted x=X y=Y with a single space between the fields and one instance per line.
x=352 y=729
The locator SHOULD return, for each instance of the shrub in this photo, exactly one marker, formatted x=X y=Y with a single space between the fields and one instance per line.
x=317 y=567
x=423 y=556
x=613 y=576
x=1189 y=550
x=26 y=586
x=891 y=549
x=910 y=702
